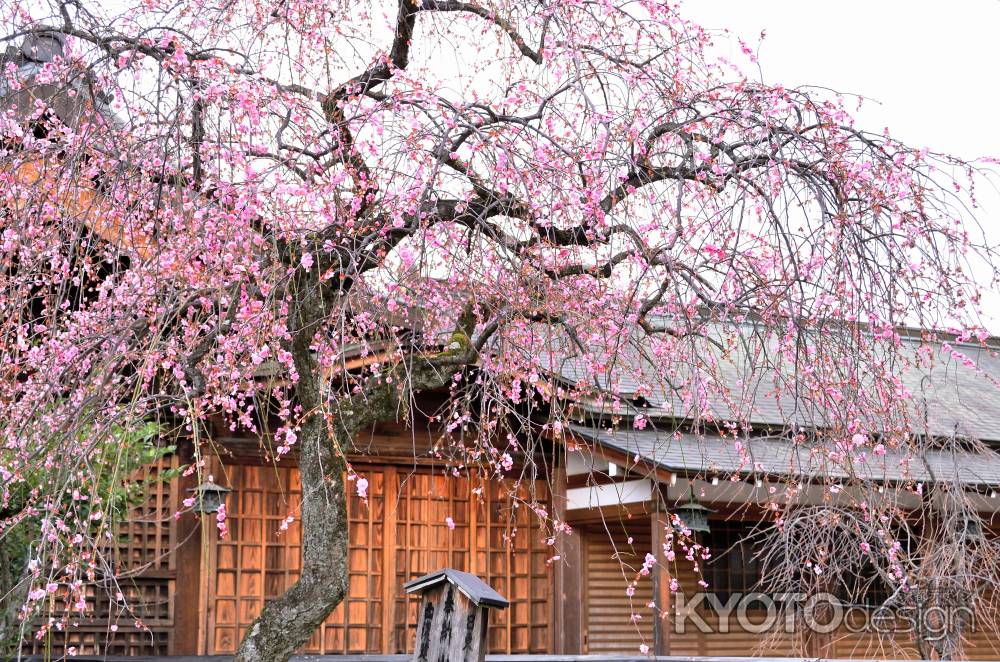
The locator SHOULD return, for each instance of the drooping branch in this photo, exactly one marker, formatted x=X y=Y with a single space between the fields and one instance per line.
x=486 y=14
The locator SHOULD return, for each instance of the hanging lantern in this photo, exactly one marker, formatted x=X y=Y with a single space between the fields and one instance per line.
x=970 y=526
x=209 y=497
x=43 y=46
x=693 y=515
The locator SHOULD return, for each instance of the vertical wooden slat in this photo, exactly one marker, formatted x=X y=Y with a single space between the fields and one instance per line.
x=207 y=574
x=611 y=564
x=207 y=547
x=584 y=595
x=474 y=530
x=557 y=638
x=401 y=534
x=567 y=601
x=509 y=574
x=389 y=583
x=188 y=634
x=573 y=593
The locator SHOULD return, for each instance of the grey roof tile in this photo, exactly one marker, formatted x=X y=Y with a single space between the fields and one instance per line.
x=775 y=456
x=958 y=400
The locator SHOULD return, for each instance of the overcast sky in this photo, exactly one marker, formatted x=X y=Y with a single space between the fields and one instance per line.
x=931 y=70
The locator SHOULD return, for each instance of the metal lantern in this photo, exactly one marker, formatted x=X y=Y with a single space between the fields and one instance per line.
x=43 y=46
x=693 y=515
x=209 y=497
x=970 y=526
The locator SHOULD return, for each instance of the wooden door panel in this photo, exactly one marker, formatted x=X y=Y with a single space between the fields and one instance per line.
x=400 y=533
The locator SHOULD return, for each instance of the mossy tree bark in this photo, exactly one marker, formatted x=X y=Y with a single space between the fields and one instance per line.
x=327 y=428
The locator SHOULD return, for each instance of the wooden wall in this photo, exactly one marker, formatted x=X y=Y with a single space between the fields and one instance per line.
x=400 y=533
x=736 y=642
x=196 y=593
x=609 y=567
x=605 y=611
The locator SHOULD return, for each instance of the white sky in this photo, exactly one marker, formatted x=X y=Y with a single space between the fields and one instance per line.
x=931 y=70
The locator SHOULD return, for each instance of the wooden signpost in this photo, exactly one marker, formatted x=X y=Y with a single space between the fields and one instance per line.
x=453 y=619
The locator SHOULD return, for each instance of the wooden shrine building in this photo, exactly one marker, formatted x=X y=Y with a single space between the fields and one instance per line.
x=194 y=592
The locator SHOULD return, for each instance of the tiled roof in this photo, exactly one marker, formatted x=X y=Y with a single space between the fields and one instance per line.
x=959 y=400
x=68 y=101
x=707 y=455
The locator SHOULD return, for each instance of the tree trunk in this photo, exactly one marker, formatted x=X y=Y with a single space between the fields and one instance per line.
x=287 y=622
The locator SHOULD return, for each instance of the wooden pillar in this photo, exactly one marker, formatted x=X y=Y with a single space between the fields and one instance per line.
x=187 y=558
x=567 y=596
x=390 y=502
x=661 y=580
x=816 y=644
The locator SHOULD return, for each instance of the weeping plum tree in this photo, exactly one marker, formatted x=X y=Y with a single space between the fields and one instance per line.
x=465 y=193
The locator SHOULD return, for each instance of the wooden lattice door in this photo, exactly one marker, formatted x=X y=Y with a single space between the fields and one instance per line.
x=400 y=533
x=261 y=558
x=493 y=537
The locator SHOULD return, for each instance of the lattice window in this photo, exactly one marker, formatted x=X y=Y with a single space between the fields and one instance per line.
x=734 y=567
x=99 y=640
x=146 y=581
x=424 y=542
x=516 y=569
x=147 y=535
x=355 y=626
x=259 y=561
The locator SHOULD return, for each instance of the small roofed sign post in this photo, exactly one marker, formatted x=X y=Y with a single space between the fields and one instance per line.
x=453 y=618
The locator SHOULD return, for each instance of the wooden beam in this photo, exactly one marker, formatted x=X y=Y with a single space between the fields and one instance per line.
x=661 y=582
x=614 y=513
x=208 y=552
x=646 y=467
x=390 y=503
x=187 y=559
x=567 y=603
x=557 y=635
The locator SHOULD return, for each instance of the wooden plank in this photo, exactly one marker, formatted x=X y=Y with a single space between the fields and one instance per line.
x=572 y=596
x=557 y=635
x=206 y=572
x=450 y=627
x=659 y=522
x=584 y=592
x=187 y=561
x=611 y=563
x=567 y=602
x=473 y=536
x=389 y=583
